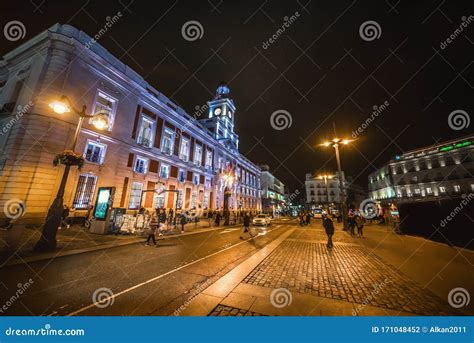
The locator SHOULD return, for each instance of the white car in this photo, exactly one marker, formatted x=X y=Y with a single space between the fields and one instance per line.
x=262 y=219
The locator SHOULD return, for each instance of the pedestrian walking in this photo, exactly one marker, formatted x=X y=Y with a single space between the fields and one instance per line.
x=351 y=222
x=308 y=218
x=218 y=219
x=209 y=218
x=329 y=228
x=183 y=221
x=246 y=228
x=359 y=221
x=151 y=229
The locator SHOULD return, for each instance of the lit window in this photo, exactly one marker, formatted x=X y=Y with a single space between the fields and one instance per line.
x=135 y=195
x=196 y=179
x=193 y=199
x=107 y=105
x=145 y=134
x=84 y=191
x=429 y=190
x=205 y=202
x=184 y=149
x=198 y=155
x=442 y=189
x=94 y=152
x=141 y=165
x=472 y=187
x=167 y=142
x=164 y=171
x=207 y=182
x=208 y=159
x=181 y=175
x=457 y=188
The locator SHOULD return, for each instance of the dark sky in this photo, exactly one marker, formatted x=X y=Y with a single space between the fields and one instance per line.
x=320 y=70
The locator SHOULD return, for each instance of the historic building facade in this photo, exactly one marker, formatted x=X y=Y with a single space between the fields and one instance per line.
x=152 y=152
x=441 y=171
x=325 y=190
x=274 y=197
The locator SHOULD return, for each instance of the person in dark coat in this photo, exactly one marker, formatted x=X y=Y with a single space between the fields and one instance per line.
x=183 y=222
x=308 y=218
x=246 y=227
x=351 y=222
x=218 y=219
x=329 y=228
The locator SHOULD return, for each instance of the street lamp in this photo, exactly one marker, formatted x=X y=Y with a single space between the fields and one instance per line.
x=335 y=144
x=69 y=158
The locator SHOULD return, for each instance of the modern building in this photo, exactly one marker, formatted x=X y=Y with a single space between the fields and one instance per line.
x=440 y=171
x=274 y=195
x=325 y=190
x=152 y=153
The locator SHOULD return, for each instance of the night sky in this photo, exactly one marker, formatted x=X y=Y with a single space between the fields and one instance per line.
x=319 y=70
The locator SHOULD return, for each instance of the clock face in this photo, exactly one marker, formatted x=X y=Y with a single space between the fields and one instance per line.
x=217 y=111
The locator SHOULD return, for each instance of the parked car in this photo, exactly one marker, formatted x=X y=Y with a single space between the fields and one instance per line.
x=318 y=213
x=262 y=219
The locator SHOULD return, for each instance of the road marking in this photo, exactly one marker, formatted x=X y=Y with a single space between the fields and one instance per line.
x=162 y=276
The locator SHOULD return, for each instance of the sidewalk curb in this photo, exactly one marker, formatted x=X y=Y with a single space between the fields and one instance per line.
x=209 y=298
x=52 y=255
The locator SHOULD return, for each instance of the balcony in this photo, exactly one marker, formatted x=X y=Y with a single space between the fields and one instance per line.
x=183 y=157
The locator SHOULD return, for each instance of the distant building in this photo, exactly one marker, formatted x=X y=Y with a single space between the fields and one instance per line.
x=441 y=171
x=274 y=198
x=321 y=191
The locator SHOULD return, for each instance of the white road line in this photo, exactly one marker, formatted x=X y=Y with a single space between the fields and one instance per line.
x=160 y=276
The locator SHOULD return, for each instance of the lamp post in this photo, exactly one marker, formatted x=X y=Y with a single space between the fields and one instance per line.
x=69 y=158
x=335 y=144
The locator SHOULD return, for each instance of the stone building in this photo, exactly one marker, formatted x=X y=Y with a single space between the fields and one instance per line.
x=150 y=143
x=274 y=197
x=440 y=171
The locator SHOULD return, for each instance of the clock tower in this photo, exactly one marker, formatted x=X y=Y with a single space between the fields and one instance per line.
x=220 y=120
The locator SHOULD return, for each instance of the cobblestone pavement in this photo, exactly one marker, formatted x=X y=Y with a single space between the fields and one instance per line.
x=348 y=272
x=222 y=311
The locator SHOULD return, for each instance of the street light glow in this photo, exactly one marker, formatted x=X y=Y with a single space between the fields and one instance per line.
x=60 y=107
x=100 y=121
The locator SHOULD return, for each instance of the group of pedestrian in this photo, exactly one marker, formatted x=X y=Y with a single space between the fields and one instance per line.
x=304 y=218
x=355 y=220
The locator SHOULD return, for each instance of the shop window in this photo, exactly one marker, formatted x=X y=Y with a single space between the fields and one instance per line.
x=135 y=195
x=84 y=191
